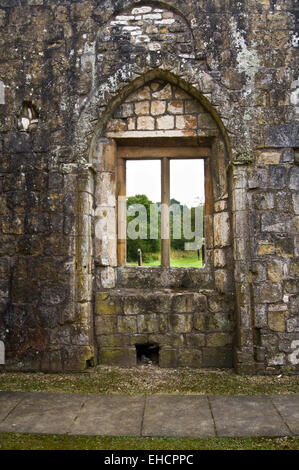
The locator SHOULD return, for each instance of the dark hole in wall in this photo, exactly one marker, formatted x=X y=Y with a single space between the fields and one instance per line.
x=28 y=119
x=89 y=363
x=147 y=354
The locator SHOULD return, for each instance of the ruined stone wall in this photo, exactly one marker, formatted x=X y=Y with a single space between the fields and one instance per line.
x=190 y=329
x=187 y=313
x=76 y=62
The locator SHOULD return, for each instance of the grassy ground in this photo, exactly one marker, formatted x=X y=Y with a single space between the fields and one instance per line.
x=178 y=259
x=149 y=380
x=17 y=441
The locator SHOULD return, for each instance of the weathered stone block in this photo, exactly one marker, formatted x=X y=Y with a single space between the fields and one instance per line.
x=106 y=236
x=217 y=357
x=268 y=157
x=108 y=278
x=107 y=304
x=200 y=321
x=117 y=125
x=268 y=292
x=219 y=258
x=140 y=95
x=125 y=110
x=142 y=108
x=165 y=122
x=265 y=249
x=163 y=323
x=221 y=229
x=291 y=286
x=181 y=323
x=195 y=340
x=277 y=176
x=124 y=357
x=294 y=179
x=148 y=323
x=260 y=315
x=219 y=339
x=146 y=123
x=273 y=222
x=277 y=360
x=281 y=135
x=223 y=281
x=168 y=358
x=134 y=305
x=189 y=358
x=137 y=338
x=105 y=324
x=164 y=93
x=106 y=189
x=175 y=107
x=221 y=206
x=105 y=155
x=113 y=341
x=127 y=324
x=186 y=122
x=219 y=321
x=263 y=201
x=168 y=340
x=158 y=108
x=275 y=270
x=276 y=321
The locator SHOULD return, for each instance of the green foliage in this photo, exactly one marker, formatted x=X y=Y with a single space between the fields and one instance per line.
x=147 y=245
x=177 y=220
x=150 y=246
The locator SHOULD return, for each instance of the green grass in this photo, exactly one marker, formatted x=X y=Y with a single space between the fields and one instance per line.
x=186 y=262
x=17 y=441
x=178 y=259
x=150 y=380
x=149 y=263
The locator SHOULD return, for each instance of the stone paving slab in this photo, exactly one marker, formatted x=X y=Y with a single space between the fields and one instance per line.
x=43 y=413
x=8 y=402
x=110 y=415
x=246 y=416
x=155 y=415
x=177 y=415
x=289 y=410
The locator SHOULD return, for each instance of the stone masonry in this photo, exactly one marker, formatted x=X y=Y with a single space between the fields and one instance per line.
x=82 y=80
x=190 y=329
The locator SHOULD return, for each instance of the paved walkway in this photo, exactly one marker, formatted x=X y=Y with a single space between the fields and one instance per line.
x=152 y=415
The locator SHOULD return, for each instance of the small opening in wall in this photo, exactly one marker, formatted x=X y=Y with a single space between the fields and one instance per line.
x=28 y=119
x=147 y=354
x=89 y=363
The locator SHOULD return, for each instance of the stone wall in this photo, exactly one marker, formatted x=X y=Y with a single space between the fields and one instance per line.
x=191 y=329
x=73 y=64
x=160 y=106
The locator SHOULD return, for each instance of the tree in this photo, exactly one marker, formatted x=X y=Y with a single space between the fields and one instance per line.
x=147 y=243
